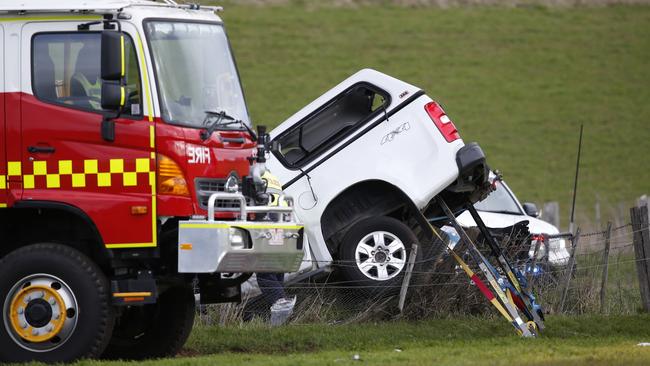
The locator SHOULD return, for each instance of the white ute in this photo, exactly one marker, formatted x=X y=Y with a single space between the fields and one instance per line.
x=360 y=161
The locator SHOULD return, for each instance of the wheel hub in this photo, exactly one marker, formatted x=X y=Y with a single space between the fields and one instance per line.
x=381 y=256
x=40 y=313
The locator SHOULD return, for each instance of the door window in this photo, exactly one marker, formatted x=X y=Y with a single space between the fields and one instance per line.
x=66 y=70
x=330 y=124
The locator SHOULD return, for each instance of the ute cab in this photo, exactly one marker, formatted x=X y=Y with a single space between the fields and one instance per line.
x=129 y=175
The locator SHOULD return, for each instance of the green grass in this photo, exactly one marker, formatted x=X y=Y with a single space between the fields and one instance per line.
x=466 y=341
x=518 y=80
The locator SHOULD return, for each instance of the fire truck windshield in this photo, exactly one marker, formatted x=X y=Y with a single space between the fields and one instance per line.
x=196 y=72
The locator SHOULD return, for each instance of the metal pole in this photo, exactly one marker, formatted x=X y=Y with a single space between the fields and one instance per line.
x=575 y=184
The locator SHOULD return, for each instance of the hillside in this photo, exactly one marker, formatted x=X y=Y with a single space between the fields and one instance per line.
x=518 y=80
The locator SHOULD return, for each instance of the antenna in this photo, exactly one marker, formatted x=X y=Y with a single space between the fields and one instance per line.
x=575 y=184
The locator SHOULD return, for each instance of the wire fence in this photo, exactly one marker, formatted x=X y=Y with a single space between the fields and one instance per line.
x=595 y=274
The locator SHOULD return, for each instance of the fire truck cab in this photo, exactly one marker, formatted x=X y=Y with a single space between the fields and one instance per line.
x=129 y=175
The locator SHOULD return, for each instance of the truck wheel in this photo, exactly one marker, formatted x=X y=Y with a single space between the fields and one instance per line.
x=374 y=254
x=154 y=331
x=55 y=305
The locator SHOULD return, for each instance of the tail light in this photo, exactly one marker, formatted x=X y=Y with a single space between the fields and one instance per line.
x=536 y=238
x=442 y=121
x=170 y=177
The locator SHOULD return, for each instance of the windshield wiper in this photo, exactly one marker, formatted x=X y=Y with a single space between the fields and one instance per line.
x=222 y=118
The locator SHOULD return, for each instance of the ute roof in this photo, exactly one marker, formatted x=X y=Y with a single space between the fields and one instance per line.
x=86 y=5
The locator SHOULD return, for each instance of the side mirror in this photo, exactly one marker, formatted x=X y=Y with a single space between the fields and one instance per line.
x=113 y=64
x=531 y=209
x=113 y=95
x=113 y=72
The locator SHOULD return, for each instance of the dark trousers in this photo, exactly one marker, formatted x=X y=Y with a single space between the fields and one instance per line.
x=271 y=286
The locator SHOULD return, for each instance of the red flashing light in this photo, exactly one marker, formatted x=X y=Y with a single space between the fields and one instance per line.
x=442 y=121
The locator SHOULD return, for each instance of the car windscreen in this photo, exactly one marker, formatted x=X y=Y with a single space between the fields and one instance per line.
x=499 y=201
x=195 y=71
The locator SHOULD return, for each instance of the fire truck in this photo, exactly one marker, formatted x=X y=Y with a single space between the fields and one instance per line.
x=129 y=175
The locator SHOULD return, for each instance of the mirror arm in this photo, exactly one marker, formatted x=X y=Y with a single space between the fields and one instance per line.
x=108 y=129
x=108 y=125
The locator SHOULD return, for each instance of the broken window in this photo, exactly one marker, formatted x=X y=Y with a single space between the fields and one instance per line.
x=330 y=124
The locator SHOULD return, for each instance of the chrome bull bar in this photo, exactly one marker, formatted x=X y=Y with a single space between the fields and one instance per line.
x=270 y=245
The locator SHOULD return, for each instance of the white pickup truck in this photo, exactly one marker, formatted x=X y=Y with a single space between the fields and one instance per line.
x=360 y=162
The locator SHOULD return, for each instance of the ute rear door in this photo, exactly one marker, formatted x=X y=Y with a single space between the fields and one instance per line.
x=64 y=158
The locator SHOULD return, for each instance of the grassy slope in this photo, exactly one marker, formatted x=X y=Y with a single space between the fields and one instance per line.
x=518 y=80
x=587 y=340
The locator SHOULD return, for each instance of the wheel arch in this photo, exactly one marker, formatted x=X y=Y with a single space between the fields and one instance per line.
x=362 y=200
x=30 y=222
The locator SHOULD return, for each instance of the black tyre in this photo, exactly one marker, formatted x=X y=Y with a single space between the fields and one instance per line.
x=55 y=305
x=374 y=254
x=154 y=331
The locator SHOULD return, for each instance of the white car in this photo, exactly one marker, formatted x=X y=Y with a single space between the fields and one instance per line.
x=361 y=163
x=502 y=209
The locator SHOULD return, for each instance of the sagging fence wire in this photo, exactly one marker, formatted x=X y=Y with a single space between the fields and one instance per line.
x=438 y=287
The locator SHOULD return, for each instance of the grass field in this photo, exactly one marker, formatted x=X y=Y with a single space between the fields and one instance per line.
x=518 y=80
x=467 y=341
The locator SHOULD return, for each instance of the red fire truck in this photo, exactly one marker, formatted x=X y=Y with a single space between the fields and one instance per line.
x=129 y=175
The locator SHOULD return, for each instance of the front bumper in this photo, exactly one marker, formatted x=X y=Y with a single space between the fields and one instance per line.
x=209 y=246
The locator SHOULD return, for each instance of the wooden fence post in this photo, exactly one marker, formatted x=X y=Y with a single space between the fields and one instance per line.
x=603 y=284
x=641 y=231
x=407 y=276
x=572 y=262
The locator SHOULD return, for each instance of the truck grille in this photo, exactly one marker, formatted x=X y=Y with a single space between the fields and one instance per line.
x=205 y=187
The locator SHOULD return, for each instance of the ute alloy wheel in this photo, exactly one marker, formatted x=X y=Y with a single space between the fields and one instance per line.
x=55 y=305
x=380 y=255
x=374 y=253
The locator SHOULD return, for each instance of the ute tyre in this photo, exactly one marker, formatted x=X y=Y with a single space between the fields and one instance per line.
x=154 y=331
x=73 y=285
x=379 y=266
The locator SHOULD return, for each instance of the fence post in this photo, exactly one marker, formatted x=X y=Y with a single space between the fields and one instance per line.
x=641 y=231
x=572 y=262
x=407 y=276
x=603 y=284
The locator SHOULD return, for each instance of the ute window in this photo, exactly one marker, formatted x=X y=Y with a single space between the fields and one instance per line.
x=66 y=71
x=331 y=123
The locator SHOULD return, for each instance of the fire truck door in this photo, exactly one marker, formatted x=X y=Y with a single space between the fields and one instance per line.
x=64 y=157
x=3 y=143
